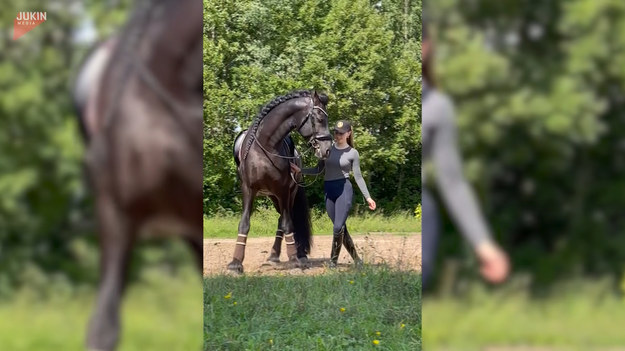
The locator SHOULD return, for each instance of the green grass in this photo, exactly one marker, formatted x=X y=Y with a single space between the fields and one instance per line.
x=264 y=223
x=584 y=315
x=160 y=313
x=303 y=313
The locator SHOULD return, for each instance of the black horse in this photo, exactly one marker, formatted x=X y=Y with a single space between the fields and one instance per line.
x=262 y=155
x=139 y=99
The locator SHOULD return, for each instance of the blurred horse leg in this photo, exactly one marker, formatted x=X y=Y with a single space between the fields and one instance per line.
x=116 y=241
x=196 y=244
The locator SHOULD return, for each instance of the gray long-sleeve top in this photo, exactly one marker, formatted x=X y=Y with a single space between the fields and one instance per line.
x=440 y=147
x=338 y=166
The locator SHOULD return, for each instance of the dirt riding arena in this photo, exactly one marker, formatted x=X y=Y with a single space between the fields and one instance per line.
x=397 y=251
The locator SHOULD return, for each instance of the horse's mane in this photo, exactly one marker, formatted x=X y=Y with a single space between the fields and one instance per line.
x=275 y=102
x=143 y=14
x=267 y=108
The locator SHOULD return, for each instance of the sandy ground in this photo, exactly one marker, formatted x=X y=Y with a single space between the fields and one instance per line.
x=397 y=251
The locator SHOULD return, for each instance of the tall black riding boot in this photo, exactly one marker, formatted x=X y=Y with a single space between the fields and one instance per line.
x=351 y=248
x=337 y=242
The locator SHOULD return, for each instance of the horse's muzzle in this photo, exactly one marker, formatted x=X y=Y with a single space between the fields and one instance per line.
x=321 y=144
x=322 y=151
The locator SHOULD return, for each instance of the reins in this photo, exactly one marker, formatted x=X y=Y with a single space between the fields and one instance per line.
x=301 y=184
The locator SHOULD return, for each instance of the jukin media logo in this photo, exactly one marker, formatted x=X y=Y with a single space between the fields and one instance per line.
x=26 y=21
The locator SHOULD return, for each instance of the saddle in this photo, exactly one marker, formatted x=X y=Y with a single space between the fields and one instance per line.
x=87 y=82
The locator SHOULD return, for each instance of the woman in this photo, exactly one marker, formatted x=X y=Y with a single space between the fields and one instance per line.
x=343 y=159
x=440 y=149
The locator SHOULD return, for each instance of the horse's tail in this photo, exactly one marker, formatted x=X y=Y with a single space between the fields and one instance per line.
x=300 y=214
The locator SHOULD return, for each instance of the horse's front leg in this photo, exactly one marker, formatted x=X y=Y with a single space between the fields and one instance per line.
x=115 y=247
x=244 y=228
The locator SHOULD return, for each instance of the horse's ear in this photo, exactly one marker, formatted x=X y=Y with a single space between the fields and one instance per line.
x=315 y=95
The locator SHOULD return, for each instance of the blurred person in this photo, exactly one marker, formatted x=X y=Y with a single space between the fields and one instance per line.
x=343 y=159
x=440 y=148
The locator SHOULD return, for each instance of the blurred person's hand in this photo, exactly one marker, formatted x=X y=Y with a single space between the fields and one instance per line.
x=494 y=262
x=294 y=168
x=371 y=203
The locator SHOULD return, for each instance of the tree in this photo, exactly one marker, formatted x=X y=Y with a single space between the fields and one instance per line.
x=40 y=169
x=357 y=54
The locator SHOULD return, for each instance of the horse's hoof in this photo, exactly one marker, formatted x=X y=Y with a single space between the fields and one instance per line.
x=235 y=266
x=358 y=264
x=332 y=265
x=293 y=262
x=302 y=262
x=274 y=258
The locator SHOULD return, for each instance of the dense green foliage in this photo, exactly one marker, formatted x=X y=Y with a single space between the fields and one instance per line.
x=366 y=59
x=539 y=93
x=40 y=148
x=304 y=313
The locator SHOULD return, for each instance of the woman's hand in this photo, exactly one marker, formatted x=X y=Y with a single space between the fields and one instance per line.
x=294 y=168
x=371 y=204
x=494 y=262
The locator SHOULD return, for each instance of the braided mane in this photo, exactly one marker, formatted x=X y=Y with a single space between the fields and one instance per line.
x=267 y=108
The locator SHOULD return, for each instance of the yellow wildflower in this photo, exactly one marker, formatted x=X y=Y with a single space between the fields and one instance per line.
x=342 y=309
x=376 y=342
x=228 y=296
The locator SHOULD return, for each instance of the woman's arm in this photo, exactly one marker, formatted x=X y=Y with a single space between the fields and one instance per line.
x=456 y=192
x=454 y=189
x=358 y=175
x=314 y=170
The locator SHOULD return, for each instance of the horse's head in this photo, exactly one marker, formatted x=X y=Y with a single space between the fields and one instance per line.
x=315 y=126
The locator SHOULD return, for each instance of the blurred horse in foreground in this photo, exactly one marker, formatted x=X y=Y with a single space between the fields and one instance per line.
x=139 y=98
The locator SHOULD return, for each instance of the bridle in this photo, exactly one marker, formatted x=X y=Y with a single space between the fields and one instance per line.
x=313 y=139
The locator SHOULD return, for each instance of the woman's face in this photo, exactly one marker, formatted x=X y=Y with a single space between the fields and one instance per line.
x=341 y=138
